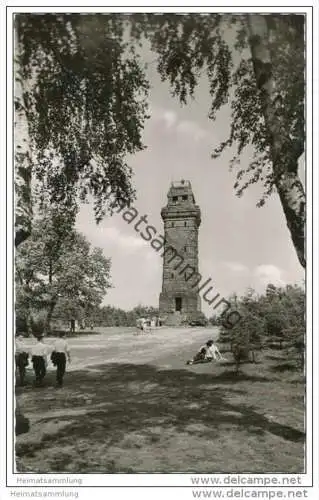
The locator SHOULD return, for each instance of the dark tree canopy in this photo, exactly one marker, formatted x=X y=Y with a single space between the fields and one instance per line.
x=83 y=97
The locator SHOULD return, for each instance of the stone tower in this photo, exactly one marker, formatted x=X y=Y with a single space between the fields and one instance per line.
x=179 y=301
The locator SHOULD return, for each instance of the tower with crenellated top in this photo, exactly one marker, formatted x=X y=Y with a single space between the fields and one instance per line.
x=179 y=300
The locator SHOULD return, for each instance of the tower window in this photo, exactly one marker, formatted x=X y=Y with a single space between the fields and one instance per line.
x=172 y=275
x=175 y=198
x=185 y=248
x=185 y=197
x=185 y=224
x=172 y=224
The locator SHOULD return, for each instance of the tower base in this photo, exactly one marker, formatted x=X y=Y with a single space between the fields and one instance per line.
x=179 y=308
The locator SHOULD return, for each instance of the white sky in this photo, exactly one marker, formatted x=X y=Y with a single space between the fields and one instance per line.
x=239 y=245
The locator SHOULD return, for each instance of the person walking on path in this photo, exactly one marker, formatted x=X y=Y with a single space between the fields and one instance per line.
x=39 y=353
x=140 y=322
x=21 y=358
x=61 y=353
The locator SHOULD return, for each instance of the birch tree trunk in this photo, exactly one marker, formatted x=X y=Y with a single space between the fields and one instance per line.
x=22 y=187
x=285 y=166
x=22 y=155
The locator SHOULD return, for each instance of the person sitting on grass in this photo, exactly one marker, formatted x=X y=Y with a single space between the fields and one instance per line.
x=212 y=352
x=206 y=353
x=199 y=357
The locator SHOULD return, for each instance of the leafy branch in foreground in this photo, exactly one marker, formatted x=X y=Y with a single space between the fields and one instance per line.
x=81 y=96
x=255 y=63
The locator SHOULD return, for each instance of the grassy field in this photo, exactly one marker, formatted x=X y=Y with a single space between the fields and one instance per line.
x=131 y=405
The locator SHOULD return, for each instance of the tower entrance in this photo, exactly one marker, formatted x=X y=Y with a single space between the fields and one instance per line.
x=178 y=303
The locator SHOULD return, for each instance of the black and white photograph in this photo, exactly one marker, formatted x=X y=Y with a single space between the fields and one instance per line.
x=161 y=306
